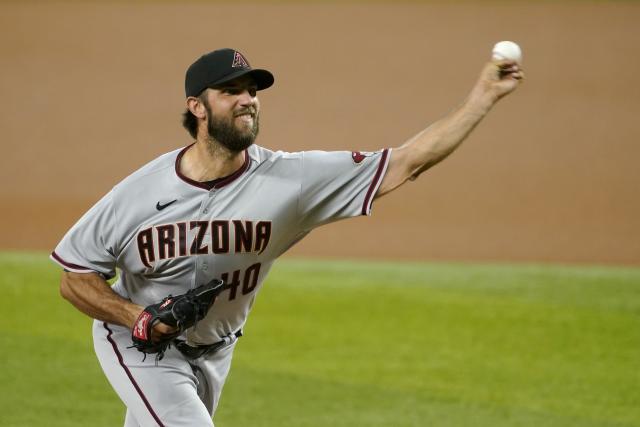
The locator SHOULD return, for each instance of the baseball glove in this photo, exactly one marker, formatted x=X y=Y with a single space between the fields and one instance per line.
x=180 y=311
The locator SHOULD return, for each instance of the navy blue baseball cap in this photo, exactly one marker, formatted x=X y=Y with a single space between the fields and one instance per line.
x=220 y=66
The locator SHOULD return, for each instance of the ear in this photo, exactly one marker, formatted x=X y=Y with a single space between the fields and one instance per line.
x=196 y=107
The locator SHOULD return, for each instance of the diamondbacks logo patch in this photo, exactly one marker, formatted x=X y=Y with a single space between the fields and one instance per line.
x=358 y=156
x=239 y=61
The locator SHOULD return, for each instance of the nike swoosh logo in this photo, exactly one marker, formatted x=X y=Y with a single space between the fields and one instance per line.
x=160 y=207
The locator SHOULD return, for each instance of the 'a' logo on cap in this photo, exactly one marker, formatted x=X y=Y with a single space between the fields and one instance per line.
x=239 y=61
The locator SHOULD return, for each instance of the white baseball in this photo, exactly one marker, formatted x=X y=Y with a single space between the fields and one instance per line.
x=507 y=50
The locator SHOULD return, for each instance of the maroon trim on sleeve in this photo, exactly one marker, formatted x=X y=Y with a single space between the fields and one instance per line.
x=376 y=180
x=128 y=372
x=216 y=183
x=74 y=268
x=56 y=257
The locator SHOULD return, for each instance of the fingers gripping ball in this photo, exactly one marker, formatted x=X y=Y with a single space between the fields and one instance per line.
x=506 y=50
x=180 y=311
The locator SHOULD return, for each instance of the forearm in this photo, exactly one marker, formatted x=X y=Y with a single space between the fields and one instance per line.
x=436 y=142
x=93 y=296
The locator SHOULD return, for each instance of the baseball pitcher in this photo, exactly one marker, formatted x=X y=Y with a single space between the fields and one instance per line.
x=195 y=232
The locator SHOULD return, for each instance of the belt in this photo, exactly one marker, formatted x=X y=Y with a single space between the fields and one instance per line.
x=202 y=350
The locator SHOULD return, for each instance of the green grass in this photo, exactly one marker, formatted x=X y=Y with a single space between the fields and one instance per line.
x=364 y=344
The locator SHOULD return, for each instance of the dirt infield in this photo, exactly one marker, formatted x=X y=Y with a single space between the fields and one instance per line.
x=91 y=92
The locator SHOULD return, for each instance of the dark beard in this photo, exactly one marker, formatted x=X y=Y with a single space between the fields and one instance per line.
x=228 y=135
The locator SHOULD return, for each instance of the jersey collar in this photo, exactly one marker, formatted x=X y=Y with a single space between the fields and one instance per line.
x=216 y=183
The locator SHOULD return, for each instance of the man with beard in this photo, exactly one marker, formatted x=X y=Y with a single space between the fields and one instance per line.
x=223 y=208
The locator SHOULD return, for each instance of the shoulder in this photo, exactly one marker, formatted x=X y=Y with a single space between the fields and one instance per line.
x=261 y=154
x=315 y=158
x=264 y=158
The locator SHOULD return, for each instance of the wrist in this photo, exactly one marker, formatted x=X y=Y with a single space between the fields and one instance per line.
x=480 y=102
x=133 y=311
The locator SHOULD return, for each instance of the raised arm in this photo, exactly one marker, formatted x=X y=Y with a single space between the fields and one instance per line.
x=437 y=141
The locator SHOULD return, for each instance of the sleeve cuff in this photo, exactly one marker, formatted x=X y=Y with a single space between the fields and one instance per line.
x=74 y=268
x=377 y=180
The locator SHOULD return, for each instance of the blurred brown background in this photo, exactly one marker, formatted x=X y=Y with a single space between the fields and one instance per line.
x=92 y=91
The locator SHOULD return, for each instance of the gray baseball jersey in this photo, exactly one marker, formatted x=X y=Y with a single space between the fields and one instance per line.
x=167 y=233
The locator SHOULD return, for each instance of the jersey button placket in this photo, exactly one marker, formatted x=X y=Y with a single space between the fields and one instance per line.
x=204 y=209
x=201 y=261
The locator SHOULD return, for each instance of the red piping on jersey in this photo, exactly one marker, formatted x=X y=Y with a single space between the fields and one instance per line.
x=374 y=183
x=216 y=183
x=133 y=381
x=55 y=256
x=70 y=267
